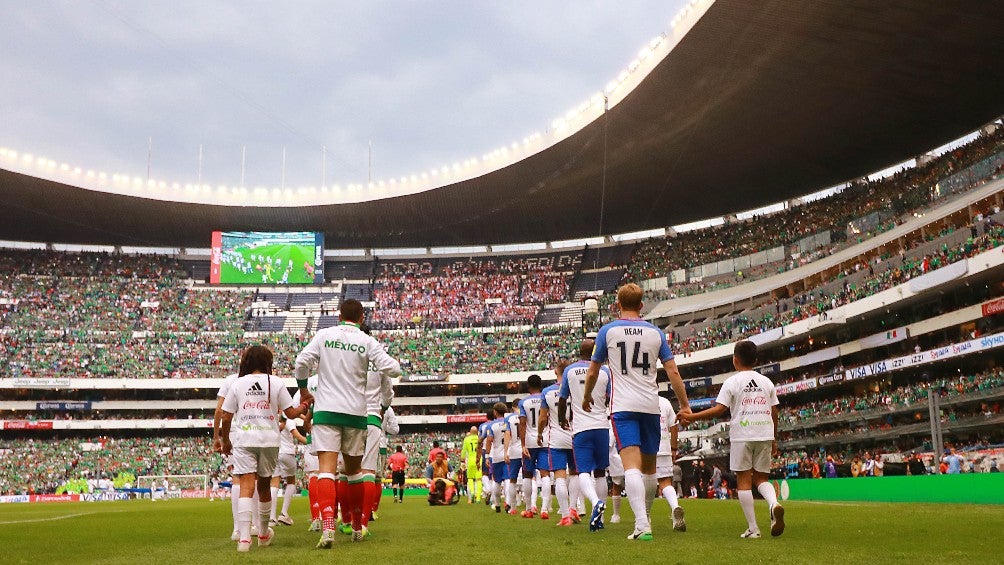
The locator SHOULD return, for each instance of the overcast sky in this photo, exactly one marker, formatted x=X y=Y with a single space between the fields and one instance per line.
x=430 y=83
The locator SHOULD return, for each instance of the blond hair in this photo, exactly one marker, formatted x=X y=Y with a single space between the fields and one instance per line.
x=629 y=297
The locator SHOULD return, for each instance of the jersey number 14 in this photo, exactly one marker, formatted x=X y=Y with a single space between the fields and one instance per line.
x=639 y=360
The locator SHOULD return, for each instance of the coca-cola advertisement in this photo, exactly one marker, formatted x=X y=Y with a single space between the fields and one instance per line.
x=27 y=425
x=55 y=498
x=993 y=307
x=466 y=418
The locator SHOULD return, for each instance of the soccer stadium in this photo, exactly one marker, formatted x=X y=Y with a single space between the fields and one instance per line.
x=795 y=206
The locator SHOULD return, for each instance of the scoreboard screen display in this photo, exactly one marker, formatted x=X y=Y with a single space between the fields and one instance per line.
x=267 y=258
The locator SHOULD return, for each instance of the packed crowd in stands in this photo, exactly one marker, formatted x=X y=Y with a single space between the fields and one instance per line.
x=896 y=194
x=55 y=462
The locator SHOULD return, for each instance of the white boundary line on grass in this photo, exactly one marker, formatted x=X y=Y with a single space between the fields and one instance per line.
x=828 y=503
x=52 y=519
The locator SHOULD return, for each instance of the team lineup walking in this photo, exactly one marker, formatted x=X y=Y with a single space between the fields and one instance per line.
x=601 y=430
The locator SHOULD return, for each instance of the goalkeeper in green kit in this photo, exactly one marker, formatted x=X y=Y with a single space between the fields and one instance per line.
x=470 y=455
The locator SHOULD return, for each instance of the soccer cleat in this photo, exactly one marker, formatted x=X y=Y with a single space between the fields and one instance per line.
x=360 y=535
x=566 y=521
x=272 y=522
x=596 y=520
x=244 y=545
x=345 y=529
x=543 y=515
x=640 y=535
x=254 y=529
x=679 y=524
x=777 y=520
x=533 y=510
x=507 y=508
x=373 y=516
x=315 y=526
x=236 y=535
x=284 y=520
x=574 y=515
x=527 y=514
x=513 y=512
x=615 y=519
x=327 y=538
x=266 y=540
x=497 y=508
x=750 y=534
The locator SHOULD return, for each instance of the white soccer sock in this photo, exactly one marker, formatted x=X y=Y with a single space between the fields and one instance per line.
x=767 y=492
x=600 y=484
x=287 y=498
x=574 y=493
x=634 y=487
x=245 y=507
x=746 y=501
x=263 y=511
x=255 y=496
x=235 y=497
x=486 y=486
x=545 y=493
x=561 y=491
x=588 y=487
x=669 y=493
x=510 y=494
x=496 y=493
x=529 y=495
x=616 y=500
x=534 y=490
x=275 y=501
x=651 y=488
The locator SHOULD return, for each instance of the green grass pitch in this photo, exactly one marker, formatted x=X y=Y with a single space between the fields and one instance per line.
x=299 y=254
x=197 y=531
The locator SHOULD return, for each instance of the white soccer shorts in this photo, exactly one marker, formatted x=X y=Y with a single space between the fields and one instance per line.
x=371 y=457
x=746 y=455
x=258 y=460
x=286 y=467
x=310 y=463
x=664 y=466
x=616 y=468
x=340 y=439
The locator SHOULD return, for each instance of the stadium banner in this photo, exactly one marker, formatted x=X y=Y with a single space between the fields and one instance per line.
x=215 y=258
x=193 y=493
x=767 y=336
x=27 y=425
x=702 y=403
x=466 y=418
x=14 y=499
x=30 y=382
x=964 y=488
x=799 y=386
x=941 y=276
x=834 y=379
x=884 y=338
x=691 y=384
x=103 y=496
x=954 y=350
x=768 y=370
x=54 y=498
x=82 y=405
x=993 y=307
x=480 y=400
x=423 y=378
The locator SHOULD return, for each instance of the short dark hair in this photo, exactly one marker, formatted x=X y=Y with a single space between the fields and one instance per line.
x=533 y=382
x=586 y=348
x=399 y=450
x=500 y=408
x=435 y=444
x=256 y=358
x=363 y=327
x=745 y=352
x=351 y=310
x=515 y=403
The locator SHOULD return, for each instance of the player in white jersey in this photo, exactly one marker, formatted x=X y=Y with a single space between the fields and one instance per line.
x=235 y=485
x=534 y=457
x=590 y=430
x=253 y=402
x=343 y=354
x=631 y=347
x=514 y=457
x=561 y=459
x=379 y=395
x=495 y=445
x=310 y=463
x=752 y=401
x=668 y=440
x=285 y=471
x=389 y=425
x=485 y=459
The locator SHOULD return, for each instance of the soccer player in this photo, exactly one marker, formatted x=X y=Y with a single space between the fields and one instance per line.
x=752 y=400
x=254 y=399
x=668 y=441
x=616 y=472
x=390 y=425
x=342 y=355
x=631 y=347
x=514 y=457
x=397 y=463
x=379 y=395
x=470 y=454
x=559 y=448
x=590 y=430
x=484 y=458
x=495 y=445
x=533 y=457
x=235 y=488
x=285 y=469
x=311 y=466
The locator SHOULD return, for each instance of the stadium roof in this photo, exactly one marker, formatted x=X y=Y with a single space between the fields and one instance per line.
x=759 y=102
